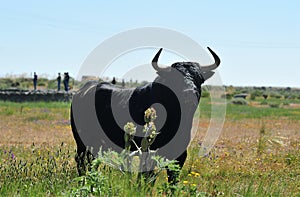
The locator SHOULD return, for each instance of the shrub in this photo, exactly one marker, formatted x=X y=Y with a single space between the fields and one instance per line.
x=274 y=105
x=41 y=84
x=286 y=103
x=264 y=102
x=205 y=94
x=252 y=96
x=255 y=94
x=275 y=95
x=292 y=96
x=239 y=101
x=227 y=96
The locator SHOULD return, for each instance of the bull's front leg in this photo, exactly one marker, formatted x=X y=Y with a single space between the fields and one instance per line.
x=83 y=159
x=173 y=176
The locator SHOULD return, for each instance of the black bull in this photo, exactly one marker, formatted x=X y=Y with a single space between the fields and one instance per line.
x=100 y=110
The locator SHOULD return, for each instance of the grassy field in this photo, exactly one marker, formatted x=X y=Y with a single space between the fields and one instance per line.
x=257 y=154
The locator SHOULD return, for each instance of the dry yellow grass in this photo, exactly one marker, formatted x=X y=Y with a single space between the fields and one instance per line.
x=52 y=127
x=39 y=126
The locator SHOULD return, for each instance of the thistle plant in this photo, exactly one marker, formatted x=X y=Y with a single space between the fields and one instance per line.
x=146 y=157
x=130 y=130
x=144 y=152
x=149 y=129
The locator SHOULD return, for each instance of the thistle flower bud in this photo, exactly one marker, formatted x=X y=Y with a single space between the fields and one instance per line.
x=150 y=115
x=130 y=128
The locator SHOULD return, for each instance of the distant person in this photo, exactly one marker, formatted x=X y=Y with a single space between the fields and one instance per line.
x=35 y=78
x=114 y=81
x=66 y=81
x=123 y=83
x=58 y=82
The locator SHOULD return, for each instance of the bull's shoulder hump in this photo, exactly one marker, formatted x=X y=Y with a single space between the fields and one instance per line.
x=145 y=87
x=103 y=86
x=86 y=88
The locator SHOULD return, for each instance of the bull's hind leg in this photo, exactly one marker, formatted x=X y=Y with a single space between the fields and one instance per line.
x=173 y=176
x=83 y=157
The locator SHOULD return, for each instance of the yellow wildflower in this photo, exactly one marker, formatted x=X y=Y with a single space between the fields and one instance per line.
x=197 y=174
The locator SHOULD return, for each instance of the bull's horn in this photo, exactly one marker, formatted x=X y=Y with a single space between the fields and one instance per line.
x=155 y=59
x=214 y=65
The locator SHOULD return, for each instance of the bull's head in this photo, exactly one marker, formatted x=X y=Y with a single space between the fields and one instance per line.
x=205 y=71
x=191 y=74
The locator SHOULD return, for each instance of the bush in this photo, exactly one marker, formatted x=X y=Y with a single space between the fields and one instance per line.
x=52 y=84
x=274 y=105
x=255 y=94
x=205 y=94
x=264 y=102
x=252 y=96
x=227 y=96
x=275 y=95
x=286 y=103
x=239 y=101
x=292 y=96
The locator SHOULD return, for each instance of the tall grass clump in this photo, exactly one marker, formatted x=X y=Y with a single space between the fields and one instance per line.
x=261 y=140
x=267 y=141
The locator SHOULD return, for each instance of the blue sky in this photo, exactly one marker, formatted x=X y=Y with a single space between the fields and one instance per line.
x=257 y=41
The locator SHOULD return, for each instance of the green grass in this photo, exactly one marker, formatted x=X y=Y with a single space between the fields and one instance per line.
x=33 y=111
x=274 y=100
x=238 y=112
x=232 y=111
x=39 y=104
x=40 y=171
x=35 y=171
x=241 y=112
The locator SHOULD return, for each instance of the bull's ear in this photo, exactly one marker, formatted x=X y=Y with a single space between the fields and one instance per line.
x=164 y=72
x=208 y=74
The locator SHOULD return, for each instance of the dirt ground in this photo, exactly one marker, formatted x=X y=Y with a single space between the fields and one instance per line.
x=17 y=131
